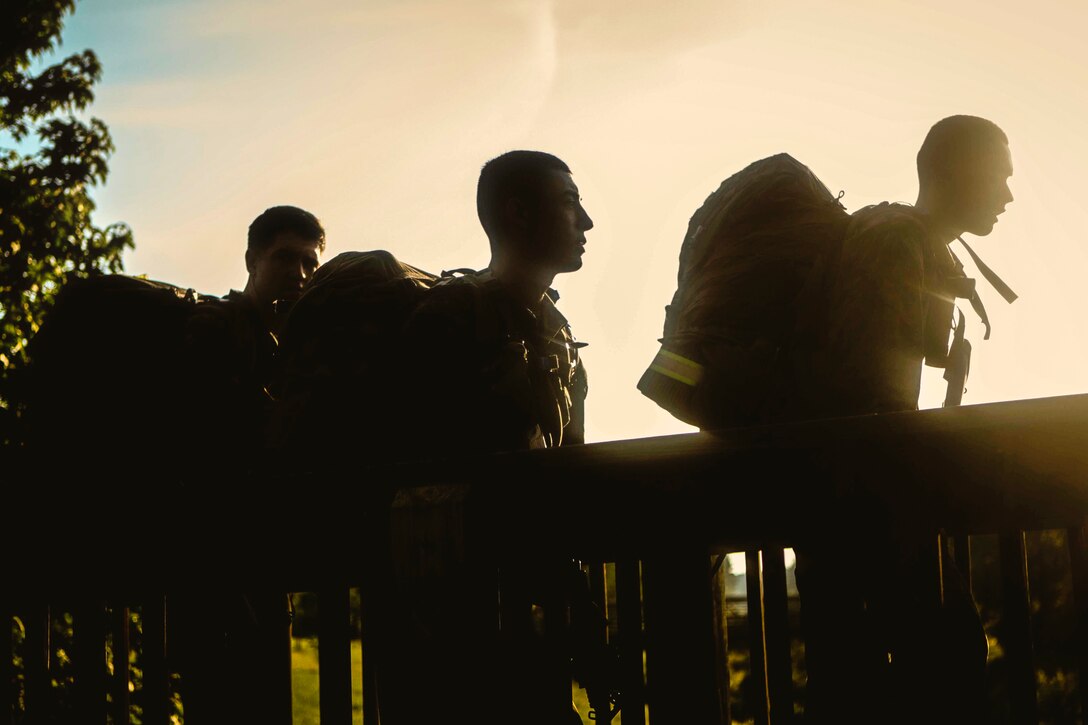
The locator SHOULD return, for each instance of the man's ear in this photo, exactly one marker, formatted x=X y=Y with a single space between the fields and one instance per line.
x=251 y=260
x=516 y=214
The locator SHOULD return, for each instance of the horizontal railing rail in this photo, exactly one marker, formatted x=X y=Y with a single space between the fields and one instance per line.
x=658 y=508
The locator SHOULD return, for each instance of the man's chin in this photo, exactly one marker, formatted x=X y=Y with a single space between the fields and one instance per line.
x=574 y=265
x=982 y=229
x=287 y=300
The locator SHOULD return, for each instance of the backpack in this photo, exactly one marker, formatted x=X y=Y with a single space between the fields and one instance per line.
x=108 y=367
x=753 y=252
x=338 y=351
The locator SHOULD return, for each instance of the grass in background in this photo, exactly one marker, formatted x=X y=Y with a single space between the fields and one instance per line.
x=305 y=685
x=305 y=682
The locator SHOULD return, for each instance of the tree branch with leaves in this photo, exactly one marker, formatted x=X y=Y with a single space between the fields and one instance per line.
x=47 y=235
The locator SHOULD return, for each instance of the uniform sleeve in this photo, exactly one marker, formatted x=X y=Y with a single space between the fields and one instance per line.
x=876 y=320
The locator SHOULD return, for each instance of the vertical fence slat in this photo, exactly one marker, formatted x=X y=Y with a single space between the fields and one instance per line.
x=776 y=635
x=268 y=682
x=334 y=656
x=1077 y=538
x=961 y=554
x=89 y=660
x=629 y=637
x=556 y=642
x=156 y=692
x=679 y=645
x=482 y=576
x=598 y=586
x=369 y=614
x=757 y=645
x=1016 y=627
x=280 y=681
x=7 y=668
x=121 y=648
x=598 y=592
x=36 y=650
x=721 y=638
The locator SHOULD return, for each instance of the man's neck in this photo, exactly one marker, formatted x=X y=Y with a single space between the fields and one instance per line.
x=936 y=223
x=266 y=311
x=525 y=282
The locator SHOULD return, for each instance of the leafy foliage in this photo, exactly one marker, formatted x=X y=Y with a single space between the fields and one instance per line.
x=46 y=231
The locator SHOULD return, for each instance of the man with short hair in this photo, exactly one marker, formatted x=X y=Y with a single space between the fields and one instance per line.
x=284 y=246
x=891 y=299
x=234 y=652
x=495 y=336
x=495 y=367
x=879 y=648
x=234 y=343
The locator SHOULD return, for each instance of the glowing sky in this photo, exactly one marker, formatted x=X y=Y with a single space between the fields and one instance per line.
x=376 y=116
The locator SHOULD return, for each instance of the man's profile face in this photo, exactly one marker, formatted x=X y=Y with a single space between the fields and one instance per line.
x=279 y=271
x=981 y=192
x=557 y=235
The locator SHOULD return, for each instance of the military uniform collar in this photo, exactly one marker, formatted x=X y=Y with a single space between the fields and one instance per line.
x=546 y=313
x=549 y=315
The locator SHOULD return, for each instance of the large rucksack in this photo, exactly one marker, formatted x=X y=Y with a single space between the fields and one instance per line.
x=339 y=353
x=109 y=368
x=753 y=251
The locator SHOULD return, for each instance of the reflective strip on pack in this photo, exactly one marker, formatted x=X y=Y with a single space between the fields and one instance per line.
x=677 y=367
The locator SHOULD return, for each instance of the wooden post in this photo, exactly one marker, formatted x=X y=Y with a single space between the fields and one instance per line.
x=334 y=656
x=1077 y=537
x=7 y=668
x=370 y=643
x=757 y=643
x=629 y=634
x=120 y=682
x=679 y=639
x=156 y=691
x=557 y=644
x=89 y=659
x=961 y=554
x=721 y=637
x=36 y=662
x=1016 y=627
x=776 y=635
x=598 y=585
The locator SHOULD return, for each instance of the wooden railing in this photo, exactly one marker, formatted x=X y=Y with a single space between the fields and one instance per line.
x=658 y=510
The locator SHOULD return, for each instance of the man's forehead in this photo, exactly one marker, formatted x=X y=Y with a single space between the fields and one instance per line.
x=293 y=240
x=562 y=182
x=982 y=162
x=1006 y=160
x=996 y=160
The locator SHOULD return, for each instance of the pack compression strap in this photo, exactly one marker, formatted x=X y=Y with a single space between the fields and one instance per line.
x=996 y=282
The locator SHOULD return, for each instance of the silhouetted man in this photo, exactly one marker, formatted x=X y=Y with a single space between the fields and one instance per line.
x=495 y=337
x=284 y=244
x=236 y=647
x=879 y=648
x=498 y=370
x=891 y=301
x=234 y=343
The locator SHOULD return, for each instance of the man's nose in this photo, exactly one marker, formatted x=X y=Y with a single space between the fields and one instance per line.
x=587 y=223
x=300 y=272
